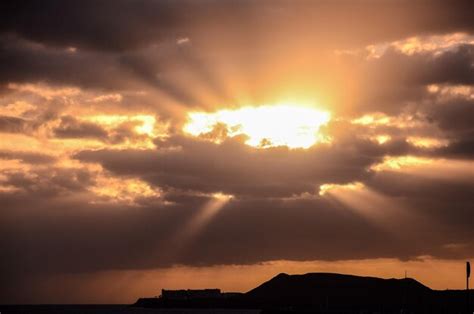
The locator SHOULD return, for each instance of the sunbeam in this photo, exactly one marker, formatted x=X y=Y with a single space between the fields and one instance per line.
x=380 y=210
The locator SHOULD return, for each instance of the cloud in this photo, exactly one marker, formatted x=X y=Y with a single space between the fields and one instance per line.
x=71 y=128
x=26 y=61
x=116 y=236
x=12 y=124
x=234 y=168
x=132 y=24
x=27 y=157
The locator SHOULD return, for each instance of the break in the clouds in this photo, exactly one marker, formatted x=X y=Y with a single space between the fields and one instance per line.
x=141 y=135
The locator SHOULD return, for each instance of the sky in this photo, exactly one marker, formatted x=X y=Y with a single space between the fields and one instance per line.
x=154 y=144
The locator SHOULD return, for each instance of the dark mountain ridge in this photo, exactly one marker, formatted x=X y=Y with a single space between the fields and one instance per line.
x=311 y=284
x=325 y=291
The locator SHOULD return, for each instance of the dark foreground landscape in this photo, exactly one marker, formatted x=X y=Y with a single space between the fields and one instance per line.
x=309 y=293
x=111 y=309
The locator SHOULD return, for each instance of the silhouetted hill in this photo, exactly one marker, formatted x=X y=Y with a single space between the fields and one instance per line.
x=322 y=285
x=336 y=291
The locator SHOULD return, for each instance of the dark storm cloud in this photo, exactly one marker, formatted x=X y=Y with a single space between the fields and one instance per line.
x=455 y=115
x=23 y=61
x=88 y=241
x=461 y=147
x=109 y=25
x=147 y=235
x=27 y=157
x=125 y=24
x=397 y=80
x=70 y=127
x=452 y=66
x=47 y=183
x=232 y=167
x=100 y=237
x=12 y=124
x=235 y=168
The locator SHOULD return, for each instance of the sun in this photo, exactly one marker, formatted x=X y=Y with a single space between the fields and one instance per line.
x=265 y=126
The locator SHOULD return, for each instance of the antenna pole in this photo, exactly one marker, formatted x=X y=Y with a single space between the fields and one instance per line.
x=468 y=274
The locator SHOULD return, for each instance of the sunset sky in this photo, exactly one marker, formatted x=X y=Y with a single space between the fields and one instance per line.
x=157 y=144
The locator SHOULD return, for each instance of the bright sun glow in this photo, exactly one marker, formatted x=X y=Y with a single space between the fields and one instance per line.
x=265 y=126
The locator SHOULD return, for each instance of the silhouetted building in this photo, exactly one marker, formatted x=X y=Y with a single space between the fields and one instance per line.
x=190 y=294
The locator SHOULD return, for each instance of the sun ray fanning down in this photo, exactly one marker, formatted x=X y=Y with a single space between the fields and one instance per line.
x=265 y=126
x=379 y=210
x=197 y=222
x=207 y=213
